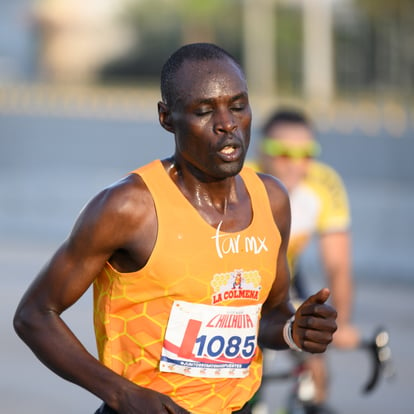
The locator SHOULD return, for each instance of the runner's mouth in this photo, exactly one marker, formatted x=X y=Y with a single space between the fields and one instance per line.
x=229 y=149
x=230 y=152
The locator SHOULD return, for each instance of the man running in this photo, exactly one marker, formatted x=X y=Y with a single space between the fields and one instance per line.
x=162 y=247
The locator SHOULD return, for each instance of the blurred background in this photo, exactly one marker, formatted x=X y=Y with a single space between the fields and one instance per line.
x=78 y=93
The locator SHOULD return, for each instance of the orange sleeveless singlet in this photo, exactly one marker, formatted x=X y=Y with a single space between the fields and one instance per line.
x=197 y=264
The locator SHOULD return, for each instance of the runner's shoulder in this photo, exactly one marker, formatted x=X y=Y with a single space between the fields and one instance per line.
x=126 y=198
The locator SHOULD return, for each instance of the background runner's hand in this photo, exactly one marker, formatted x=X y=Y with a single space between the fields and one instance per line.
x=140 y=400
x=315 y=323
x=346 y=337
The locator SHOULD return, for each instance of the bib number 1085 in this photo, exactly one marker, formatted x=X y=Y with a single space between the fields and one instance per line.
x=215 y=346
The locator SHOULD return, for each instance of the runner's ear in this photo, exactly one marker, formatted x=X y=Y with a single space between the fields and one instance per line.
x=164 y=116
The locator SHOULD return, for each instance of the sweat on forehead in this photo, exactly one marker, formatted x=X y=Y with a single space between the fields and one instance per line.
x=192 y=52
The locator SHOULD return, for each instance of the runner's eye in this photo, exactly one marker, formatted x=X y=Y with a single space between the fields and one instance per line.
x=203 y=111
x=238 y=107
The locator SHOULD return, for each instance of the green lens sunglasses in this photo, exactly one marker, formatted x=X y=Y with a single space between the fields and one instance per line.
x=273 y=148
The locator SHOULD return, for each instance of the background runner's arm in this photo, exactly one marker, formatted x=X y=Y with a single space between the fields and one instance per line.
x=335 y=248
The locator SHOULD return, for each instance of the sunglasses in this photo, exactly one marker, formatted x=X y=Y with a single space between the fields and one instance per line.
x=275 y=148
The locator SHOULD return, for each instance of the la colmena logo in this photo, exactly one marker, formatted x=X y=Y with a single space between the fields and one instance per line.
x=235 y=285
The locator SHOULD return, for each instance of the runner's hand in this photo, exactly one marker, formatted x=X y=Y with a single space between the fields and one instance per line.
x=140 y=400
x=315 y=323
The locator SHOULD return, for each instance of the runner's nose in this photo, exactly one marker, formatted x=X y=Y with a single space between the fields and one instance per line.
x=224 y=122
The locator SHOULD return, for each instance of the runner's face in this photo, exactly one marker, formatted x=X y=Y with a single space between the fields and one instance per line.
x=290 y=170
x=211 y=118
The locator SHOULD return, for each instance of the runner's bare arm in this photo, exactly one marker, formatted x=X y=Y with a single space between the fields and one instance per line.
x=119 y=218
x=277 y=309
x=315 y=321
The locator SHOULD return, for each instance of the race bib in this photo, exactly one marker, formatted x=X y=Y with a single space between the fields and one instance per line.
x=210 y=341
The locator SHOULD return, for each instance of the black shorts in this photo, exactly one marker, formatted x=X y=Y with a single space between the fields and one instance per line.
x=106 y=409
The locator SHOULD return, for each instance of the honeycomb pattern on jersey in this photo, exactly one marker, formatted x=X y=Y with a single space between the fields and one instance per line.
x=130 y=338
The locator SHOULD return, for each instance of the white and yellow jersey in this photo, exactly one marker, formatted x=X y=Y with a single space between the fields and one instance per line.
x=319 y=205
